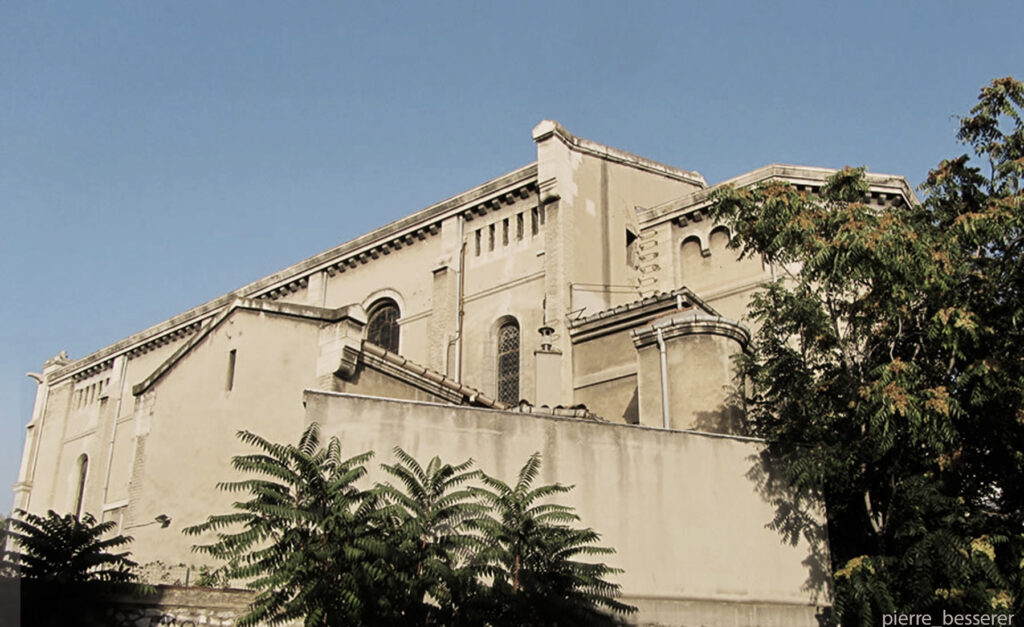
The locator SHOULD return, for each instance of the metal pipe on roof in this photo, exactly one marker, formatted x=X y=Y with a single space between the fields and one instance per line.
x=664 y=379
x=459 y=311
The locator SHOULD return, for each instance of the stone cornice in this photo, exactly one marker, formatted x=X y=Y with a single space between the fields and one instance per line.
x=635 y=314
x=307 y=312
x=94 y=369
x=690 y=323
x=374 y=356
x=884 y=188
x=549 y=128
x=489 y=196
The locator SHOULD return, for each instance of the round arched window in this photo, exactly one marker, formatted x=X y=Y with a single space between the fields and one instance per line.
x=382 y=326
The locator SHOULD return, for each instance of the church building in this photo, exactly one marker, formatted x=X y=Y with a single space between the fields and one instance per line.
x=583 y=305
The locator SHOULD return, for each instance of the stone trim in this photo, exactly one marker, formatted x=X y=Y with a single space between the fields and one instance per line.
x=549 y=128
x=690 y=323
x=576 y=412
x=634 y=314
x=97 y=368
x=284 y=290
x=500 y=287
x=499 y=201
x=425 y=378
x=308 y=312
x=359 y=251
x=623 y=371
x=884 y=188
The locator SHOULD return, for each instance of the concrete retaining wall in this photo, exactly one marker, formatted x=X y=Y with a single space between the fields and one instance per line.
x=685 y=512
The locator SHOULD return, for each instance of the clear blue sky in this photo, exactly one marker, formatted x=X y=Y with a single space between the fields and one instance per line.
x=155 y=155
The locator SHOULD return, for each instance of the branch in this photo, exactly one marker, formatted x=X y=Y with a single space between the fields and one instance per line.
x=875 y=518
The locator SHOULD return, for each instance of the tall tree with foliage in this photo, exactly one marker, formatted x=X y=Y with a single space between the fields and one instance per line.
x=887 y=371
x=66 y=549
x=535 y=551
x=433 y=556
x=310 y=541
x=67 y=564
x=437 y=549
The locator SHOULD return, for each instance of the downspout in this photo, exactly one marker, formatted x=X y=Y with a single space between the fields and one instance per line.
x=664 y=379
x=113 y=430
x=459 y=312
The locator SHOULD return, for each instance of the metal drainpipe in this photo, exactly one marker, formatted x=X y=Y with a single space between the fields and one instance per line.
x=459 y=313
x=664 y=380
x=113 y=431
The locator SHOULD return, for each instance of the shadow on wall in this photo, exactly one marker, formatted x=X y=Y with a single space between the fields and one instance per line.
x=797 y=517
x=631 y=415
x=729 y=417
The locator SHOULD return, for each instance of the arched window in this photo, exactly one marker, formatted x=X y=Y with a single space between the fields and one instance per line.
x=508 y=363
x=83 y=468
x=382 y=326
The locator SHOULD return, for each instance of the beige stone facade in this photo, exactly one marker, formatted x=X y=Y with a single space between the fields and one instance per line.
x=590 y=284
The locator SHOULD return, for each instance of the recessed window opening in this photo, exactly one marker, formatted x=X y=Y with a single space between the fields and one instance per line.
x=631 y=246
x=504 y=232
x=519 y=226
x=508 y=363
x=382 y=325
x=230 y=383
x=83 y=468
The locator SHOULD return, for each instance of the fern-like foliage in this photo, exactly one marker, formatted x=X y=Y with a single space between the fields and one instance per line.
x=434 y=512
x=66 y=549
x=534 y=556
x=67 y=565
x=310 y=541
x=434 y=548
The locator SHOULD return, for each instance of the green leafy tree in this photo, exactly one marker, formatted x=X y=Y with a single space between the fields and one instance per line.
x=534 y=552
x=433 y=557
x=424 y=552
x=66 y=549
x=887 y=371
x=67 y=566
x=311 y=543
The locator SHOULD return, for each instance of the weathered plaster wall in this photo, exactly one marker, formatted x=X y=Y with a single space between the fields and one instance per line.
x=604 y=370
x=597 y=198
x=704 y=263
x=682 y=510
x=185 y=425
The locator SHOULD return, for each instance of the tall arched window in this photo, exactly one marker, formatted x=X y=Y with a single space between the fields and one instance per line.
x=382 y=326
x=83 y=468
x=508 y=363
